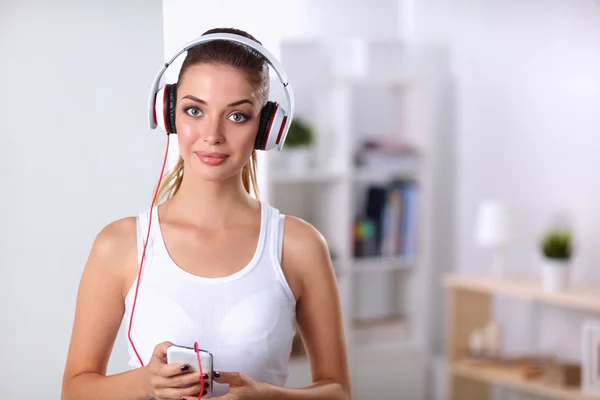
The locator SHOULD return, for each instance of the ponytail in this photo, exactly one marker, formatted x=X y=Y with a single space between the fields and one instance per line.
x=171 y=182
x=249 y=175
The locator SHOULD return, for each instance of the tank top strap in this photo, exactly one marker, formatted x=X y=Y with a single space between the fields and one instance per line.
x=280 y=231
x=276 y=234
x=273 y=232
x=143 y=223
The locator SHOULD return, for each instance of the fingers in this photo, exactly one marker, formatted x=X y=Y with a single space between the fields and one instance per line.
x=179 y=393
x=164 y=370
x=231 y=378
x=180 y=386
x=227 y=396
x=196 y=397
x=174 y=369
x=160 y=350
x=181 y=380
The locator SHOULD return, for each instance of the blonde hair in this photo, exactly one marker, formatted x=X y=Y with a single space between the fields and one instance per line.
x=257 y=71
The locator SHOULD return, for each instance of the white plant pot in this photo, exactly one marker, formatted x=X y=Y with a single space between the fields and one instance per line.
x=297 y=159
x=555 y=274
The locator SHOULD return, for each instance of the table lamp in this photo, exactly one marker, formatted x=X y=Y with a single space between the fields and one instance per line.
x=494 y=230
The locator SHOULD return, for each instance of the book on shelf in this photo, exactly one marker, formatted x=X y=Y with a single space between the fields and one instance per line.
x=387 y=154
x=387 y=227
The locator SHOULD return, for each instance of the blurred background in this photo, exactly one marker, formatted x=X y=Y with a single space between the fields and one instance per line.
x=448 y=151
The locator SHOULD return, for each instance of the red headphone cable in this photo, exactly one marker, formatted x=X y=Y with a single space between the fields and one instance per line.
x=197 y=350
x=137 y=286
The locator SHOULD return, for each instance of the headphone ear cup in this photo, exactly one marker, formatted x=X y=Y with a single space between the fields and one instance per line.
x=164 y=108
x=264 y=126
x=170 y=108
x=276 y=135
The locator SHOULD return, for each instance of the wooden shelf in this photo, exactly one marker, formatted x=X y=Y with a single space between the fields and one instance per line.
x=358 y=175
x=375 y=174
x=514 y=380
x=368 y=265
x=577 y=296
x=381 y=330
x=469 y=302
x=309 y=176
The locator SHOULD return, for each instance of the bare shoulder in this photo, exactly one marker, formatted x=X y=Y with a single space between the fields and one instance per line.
x=96 y=322
x=303 y=236
x=116 y=239
x=115 y=251
x=305 y=254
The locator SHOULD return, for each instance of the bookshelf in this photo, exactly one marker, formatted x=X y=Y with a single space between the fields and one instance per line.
x=469 y=300
x=385 y=290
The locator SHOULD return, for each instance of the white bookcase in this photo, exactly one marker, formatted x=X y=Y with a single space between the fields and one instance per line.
x=349 y=91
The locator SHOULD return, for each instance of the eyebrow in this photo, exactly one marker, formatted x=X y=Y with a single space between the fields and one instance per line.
x=235 y=103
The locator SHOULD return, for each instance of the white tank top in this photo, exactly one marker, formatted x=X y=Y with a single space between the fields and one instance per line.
x=246 y=320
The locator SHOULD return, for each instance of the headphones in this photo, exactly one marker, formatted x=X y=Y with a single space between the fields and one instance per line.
x=274 y=120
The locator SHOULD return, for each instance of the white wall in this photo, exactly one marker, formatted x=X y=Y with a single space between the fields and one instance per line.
x=527 y=123
x=185 y=19
x=76 y=154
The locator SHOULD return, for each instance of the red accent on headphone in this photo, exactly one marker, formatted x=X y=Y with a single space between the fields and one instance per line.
x=281 y=129
x=264 y=146
x=154 y=109
x=137 y=286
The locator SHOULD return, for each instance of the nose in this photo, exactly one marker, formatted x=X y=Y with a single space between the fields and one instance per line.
x=212 y=131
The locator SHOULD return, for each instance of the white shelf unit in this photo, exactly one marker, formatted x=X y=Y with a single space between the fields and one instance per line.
x=385 y=298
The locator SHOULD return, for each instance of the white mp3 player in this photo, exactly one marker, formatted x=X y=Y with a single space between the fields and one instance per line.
x=188 y=355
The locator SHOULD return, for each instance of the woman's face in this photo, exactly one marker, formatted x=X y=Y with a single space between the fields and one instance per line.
x=217 y=116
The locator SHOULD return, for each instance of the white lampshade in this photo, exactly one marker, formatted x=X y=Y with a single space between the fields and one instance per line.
x=494 y=225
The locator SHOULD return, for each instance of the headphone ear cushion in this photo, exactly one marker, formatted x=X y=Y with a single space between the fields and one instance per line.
x=266 y=119
x=171 y=101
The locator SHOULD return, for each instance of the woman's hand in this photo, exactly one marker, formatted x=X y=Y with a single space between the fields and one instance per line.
x=171 y=381
x=241 y=387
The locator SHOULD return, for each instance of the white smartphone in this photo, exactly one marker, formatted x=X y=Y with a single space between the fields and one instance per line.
x=187 y=355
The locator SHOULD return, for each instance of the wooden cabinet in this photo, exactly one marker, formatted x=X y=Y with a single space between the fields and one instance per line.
x=469 y=300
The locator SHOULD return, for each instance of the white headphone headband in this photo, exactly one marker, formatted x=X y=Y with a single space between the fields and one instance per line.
x=271 y=60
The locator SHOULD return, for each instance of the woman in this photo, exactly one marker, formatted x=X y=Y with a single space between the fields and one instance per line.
x=221 y=268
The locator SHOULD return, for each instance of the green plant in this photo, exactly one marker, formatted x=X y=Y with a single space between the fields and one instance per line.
x=301 y=134
x=557 y=244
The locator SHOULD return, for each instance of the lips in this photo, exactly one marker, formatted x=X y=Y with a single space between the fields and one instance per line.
x=211 y=158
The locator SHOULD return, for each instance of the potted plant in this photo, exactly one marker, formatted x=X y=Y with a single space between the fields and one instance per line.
x=557 y=249
x=298 y=145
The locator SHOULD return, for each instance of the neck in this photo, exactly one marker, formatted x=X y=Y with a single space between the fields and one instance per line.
x=210 y=203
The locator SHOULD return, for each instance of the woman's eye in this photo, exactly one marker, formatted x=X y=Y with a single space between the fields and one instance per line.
x=237 y=117
x=193 y=111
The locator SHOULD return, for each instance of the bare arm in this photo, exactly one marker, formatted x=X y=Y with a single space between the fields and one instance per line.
x=306 y=260
x=98 y=315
